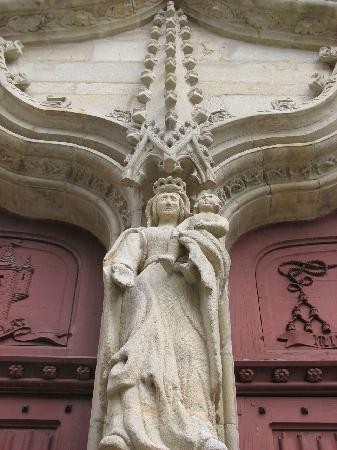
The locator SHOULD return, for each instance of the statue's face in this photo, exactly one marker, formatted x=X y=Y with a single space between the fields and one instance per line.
x=208 y=203
x=168 y=206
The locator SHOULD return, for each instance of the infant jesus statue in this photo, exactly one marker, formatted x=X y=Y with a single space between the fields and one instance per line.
x=206 y=217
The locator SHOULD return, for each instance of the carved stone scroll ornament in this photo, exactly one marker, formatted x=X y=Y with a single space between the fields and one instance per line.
x=163 y=385
x=300 y=275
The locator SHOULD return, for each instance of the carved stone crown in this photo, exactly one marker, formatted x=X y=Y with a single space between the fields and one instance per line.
x=169 y=184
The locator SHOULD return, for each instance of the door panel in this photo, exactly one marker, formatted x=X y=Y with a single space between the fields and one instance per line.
x=274 y=423
x=16 y=439
x=30 y=423
x=305 y=440
x=51 y=293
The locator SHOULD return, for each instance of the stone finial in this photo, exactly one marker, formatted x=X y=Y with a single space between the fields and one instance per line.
x=195 y=96
x=147 y=76
x=170 y=65
x=155 y=33
x=144 y=96
x=187 y=48
x=189 y=62
x=170 y=50
x=182 y=19
x=150 y=62
x=170 y=81
x=170 y=22
x=192 y=77
x=139 y=115
x=153 y=46
x=158 y=20
x=170 y=36
x=185 y=33
x=170 y=11
x=133 y=136
x=170 y=99
x=200 y=115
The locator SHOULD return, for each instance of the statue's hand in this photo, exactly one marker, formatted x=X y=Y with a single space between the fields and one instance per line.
x=122 y=275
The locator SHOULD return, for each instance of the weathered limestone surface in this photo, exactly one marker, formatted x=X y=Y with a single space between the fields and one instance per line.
x=161 y=385
x=103 y=75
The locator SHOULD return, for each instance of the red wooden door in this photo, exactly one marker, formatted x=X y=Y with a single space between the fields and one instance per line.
x=50 y=308
x=46 y=424
x=287 y=423
x=283 y=302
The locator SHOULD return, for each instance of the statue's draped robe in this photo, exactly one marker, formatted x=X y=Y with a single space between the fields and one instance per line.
x=164 y=384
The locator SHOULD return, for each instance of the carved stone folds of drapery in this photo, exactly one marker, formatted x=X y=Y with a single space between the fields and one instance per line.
x=166 y=373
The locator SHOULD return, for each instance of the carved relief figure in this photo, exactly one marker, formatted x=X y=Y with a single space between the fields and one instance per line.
x=164 y=382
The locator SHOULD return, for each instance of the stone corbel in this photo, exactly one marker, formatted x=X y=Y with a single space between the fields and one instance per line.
x=167 y=152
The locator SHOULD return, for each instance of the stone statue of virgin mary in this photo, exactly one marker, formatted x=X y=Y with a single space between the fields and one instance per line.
x=163 y=383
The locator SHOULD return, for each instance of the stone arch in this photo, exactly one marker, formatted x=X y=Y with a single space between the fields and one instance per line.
x=274 y=203
x=53 y=181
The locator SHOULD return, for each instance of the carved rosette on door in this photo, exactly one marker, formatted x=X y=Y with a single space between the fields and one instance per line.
x=15 y=281
x=301 y=275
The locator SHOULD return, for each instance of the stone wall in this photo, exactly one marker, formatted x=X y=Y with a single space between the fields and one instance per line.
x=103 y=74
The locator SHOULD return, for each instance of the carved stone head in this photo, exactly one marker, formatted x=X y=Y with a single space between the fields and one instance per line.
x=170 y=199
x=208 y=202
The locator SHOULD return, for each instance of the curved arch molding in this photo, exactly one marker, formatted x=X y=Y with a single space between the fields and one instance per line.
x=68 y=165
x=291 y=23
x=53 y=21
x=63 y=182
